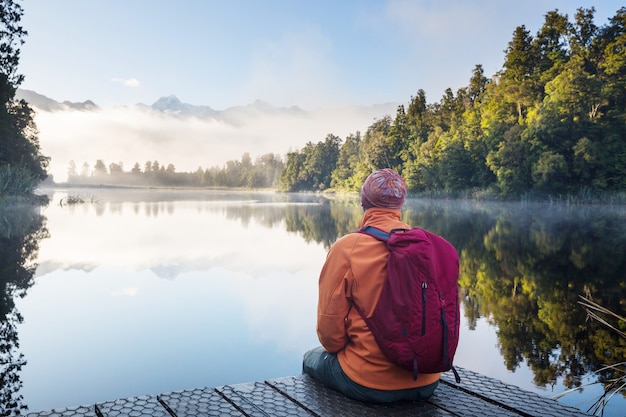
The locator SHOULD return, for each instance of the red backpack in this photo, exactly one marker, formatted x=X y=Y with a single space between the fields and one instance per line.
x=416 y=319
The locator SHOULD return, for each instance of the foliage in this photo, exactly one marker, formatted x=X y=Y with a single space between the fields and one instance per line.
x=550 y=123
x=16 y=181
x=264 y=172
x=616 y=384
x=73 y=199
x=20 y=153
x=522 y=268
x=311 y=168
x=22 y=167
x=21 y=229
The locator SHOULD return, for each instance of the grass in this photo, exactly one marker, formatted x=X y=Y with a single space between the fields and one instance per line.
x=615 y=385
x=71 y=200
x=16 y=181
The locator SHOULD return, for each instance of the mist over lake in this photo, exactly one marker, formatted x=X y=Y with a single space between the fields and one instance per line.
x=142 y=292
x=188 y=136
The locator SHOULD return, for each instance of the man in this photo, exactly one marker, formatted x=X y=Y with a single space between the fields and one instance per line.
x=349 y=359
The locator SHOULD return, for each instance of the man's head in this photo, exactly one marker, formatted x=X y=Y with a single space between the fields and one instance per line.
x=384 y=188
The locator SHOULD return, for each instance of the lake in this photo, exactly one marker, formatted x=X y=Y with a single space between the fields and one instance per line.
x=144 y=291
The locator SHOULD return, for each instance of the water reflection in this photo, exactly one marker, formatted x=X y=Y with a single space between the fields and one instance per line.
x=524 y=269
x=21 y=229
x=178 y=289
x=527 y=276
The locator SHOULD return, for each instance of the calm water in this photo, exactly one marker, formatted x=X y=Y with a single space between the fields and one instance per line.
x=145 y=292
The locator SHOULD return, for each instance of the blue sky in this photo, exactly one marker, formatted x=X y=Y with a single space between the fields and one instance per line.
x=286 y=52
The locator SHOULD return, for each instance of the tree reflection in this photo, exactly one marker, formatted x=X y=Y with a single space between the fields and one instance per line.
x=523 y=268
x=21 y=229
x=526 y=275
x=324 y=223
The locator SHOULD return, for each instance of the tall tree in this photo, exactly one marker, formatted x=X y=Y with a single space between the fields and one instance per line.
x=343 y=176
x=375 y=149
x=291 y=179
x=550 y=45
x=18 y=133
x=517 y=77
x=99 y=169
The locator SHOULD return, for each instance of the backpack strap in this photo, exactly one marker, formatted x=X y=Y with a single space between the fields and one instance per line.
x=374 y=232
x=377 y=233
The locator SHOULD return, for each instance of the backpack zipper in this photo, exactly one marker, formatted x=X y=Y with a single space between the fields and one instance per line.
x=444 y=324
x=424 y=286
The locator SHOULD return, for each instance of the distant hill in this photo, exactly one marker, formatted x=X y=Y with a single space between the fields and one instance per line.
x=47 y=104
x=235 y=115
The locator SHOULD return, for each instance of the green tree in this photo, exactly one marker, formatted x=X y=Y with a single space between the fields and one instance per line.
x=612 y=40
x=517 y=77
x=511 y=164
x=291 y=179
x=419 y=119
x=550 y=45
x=320 y=161
x=21 y=230
x=343 y=176
x=398 y=138
x=376 y=152
x=267 y=169
x=471 y=132
x=18 y=133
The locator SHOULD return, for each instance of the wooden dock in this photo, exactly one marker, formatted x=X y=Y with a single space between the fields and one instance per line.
x=476 y=395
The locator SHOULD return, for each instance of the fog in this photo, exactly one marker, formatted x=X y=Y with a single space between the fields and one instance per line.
x=133 y=134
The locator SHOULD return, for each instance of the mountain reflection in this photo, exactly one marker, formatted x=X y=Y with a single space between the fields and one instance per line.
x=21 y=229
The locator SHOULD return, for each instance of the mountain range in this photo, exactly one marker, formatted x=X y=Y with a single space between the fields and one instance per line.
x=186 y=135
x=171 y=105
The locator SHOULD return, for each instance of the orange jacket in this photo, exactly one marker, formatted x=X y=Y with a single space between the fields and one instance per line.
x=354 y=271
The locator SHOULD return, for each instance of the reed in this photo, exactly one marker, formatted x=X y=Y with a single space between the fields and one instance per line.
x=617 y=384
x=74 y=199
x=16 y=181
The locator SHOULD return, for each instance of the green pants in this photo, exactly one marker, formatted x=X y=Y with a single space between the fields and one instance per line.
x=324 y=367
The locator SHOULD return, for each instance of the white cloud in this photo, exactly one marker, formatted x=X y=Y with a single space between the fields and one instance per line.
x=125 y=292
x=128 y=82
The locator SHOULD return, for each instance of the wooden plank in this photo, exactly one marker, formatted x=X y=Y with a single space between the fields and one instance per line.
x=511 y=397
x=301 y=396
x=80 y=411
x=137 y=406
x=257 y=399
x=325 y=402
x=462 y=404
x=205 y=402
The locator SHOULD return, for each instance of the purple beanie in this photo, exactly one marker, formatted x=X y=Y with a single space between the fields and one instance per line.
x=383 y=188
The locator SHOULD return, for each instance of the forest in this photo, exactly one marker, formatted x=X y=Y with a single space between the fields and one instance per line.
x=263 y=172
x=552 y=121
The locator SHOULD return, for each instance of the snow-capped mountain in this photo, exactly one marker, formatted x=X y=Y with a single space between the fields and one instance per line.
x=171 y=105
